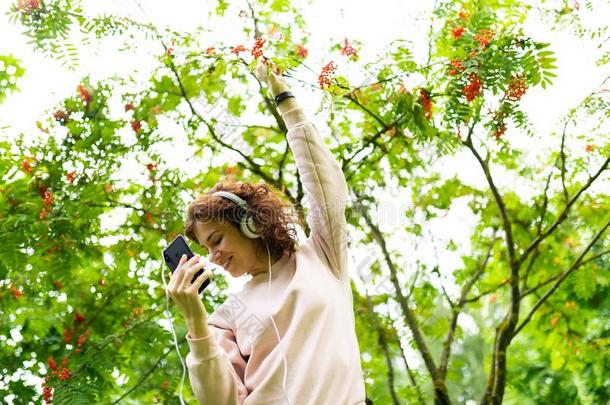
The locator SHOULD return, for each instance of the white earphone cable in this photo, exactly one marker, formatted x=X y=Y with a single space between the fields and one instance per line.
x=171 y=325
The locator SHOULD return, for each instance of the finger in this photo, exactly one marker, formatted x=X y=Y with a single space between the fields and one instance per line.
x=265 y=66
x=261 y=71
x=189 y=274
x=199 y=281
x=181 y=270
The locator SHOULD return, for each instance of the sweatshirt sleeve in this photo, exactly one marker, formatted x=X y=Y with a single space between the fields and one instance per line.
x=216 y=368
x=325 y=187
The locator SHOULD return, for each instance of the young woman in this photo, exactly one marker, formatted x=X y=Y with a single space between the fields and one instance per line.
x=289 y=336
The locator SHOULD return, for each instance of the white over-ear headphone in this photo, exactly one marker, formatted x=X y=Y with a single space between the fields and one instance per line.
x=246 y=222
x=248 y=227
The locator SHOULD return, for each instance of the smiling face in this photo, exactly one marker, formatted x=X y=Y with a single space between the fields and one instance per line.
x=226 y=244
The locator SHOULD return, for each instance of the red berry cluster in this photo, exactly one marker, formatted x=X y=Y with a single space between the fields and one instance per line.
x=136 y=125
x=301 y=51
x=210 y=51
x=464 y=15
x=328 y=71
x=129 y=107
x=348 y=50
x=16 y=292
x=80 y=341
x=68 y=333
x=61 y=116
x=152 y=169
x=78 y=317
x=500 y=131
x=516 y=89
x=473 y=88
x=47 y=392
x=457 y=32
x=169 y=51
x=257 y=50
x=457 y=66
x=27 y=6
x=137 y=311
x=85 y=94
x=48 y=198
x=25 y=164
x=483 y=37
x=589 y=148
x=63 y=374
x=71 y=176
x=238 y=48
x=426 y=103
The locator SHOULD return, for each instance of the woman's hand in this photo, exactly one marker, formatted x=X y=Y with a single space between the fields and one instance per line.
x=186 y=295
x=265 y=73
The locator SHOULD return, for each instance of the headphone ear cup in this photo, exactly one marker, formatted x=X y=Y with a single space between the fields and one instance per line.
x=247 y=226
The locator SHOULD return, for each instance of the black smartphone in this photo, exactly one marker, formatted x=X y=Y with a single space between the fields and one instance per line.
x=174 y=251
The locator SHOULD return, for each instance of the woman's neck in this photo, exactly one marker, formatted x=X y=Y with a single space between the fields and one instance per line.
x=264 y=265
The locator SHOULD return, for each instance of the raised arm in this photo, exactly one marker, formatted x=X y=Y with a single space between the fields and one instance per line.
x=321 y=175
x=324 y=184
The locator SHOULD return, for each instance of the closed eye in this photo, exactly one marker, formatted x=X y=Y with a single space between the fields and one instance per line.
x=215 y=243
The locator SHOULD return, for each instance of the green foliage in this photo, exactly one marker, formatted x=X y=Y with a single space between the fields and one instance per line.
x=86 y=207
x=10 y=71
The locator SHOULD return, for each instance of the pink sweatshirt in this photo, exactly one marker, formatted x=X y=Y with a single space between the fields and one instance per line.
x=311 y=302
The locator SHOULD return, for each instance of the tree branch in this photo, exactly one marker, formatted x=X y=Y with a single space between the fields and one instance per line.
x=496 y=382
x=147 y=374
x=506 y=224
x=564 y=214
x=440 y=389
x=384 y=346
x=577 y=263
x=457 y=309
x=563 y=162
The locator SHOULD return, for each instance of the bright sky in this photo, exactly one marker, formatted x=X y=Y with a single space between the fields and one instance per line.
x=46 y=82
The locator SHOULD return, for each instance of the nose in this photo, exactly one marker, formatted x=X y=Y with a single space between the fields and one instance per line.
x=217 y=258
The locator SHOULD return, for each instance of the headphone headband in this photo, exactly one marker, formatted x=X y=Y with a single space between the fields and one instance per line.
x=230 y=196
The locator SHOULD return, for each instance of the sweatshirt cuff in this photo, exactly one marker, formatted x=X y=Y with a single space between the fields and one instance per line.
x=294 y=117
x=204 y=348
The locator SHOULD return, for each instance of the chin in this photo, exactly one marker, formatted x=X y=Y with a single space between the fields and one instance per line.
x=234 y=274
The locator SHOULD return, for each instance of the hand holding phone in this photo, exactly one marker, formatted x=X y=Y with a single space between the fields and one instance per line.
x=174 y=252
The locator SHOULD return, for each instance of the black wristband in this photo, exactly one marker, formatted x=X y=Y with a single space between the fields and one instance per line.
x=283 y=96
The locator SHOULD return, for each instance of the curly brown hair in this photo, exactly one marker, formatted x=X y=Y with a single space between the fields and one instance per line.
x=274 y=218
